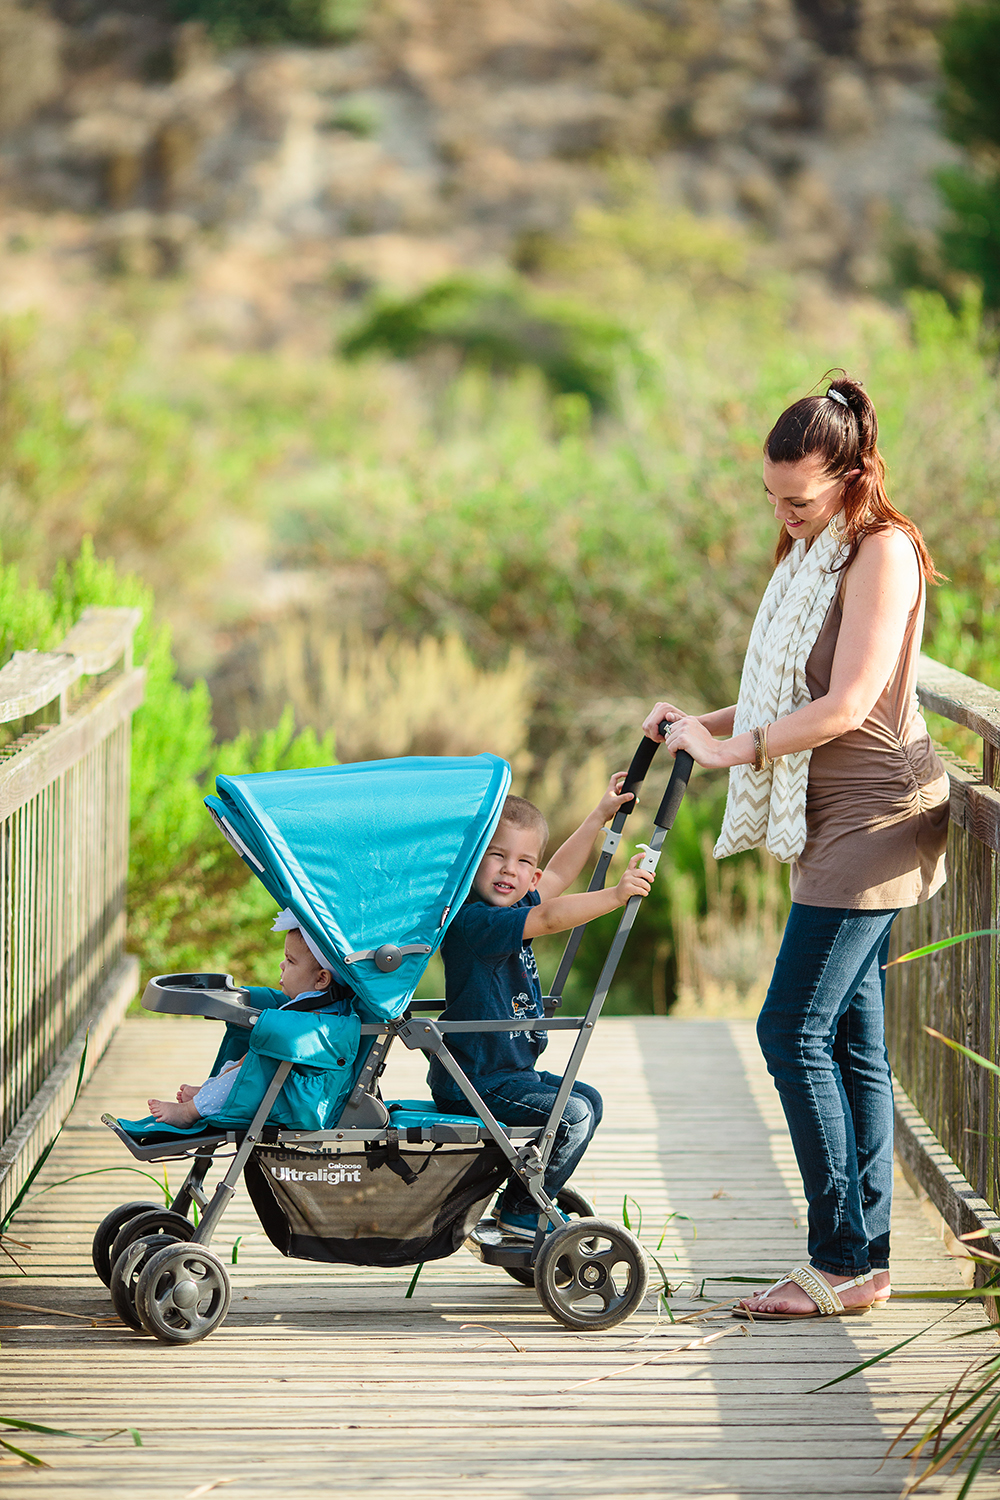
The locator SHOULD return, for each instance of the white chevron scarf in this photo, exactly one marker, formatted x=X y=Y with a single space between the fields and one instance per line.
x=769 y=807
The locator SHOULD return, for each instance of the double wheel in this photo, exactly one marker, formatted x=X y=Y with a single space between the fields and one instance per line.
x=159 y=1282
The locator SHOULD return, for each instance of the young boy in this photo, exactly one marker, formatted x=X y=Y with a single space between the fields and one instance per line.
x=491 y=974
x=303 y=978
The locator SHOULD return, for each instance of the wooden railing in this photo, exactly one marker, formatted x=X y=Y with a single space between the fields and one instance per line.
x=955 y=991
x=65 y=733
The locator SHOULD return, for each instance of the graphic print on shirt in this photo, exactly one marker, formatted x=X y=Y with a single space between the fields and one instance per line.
x=524 y=1004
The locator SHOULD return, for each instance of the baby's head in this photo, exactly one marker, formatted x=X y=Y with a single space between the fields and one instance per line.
x=511 y=866
x=300 y=970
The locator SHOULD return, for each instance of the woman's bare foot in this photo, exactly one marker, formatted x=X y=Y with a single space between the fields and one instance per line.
x=173 y=1114
x=791 y=1300
x=883 y=1287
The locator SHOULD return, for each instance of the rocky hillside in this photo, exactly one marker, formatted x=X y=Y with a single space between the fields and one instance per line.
x=452 y=132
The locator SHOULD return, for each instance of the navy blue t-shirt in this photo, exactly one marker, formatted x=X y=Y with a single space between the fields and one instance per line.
x=490 y=974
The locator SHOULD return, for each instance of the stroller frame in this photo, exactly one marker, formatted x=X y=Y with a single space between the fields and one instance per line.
x=154 y=1259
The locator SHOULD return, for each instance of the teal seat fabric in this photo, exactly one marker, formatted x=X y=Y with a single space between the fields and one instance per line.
x=374 y=853
x=407 y=1114
x=149 y=1129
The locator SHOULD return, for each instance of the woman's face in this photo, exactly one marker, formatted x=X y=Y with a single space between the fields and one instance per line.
x=804 y=497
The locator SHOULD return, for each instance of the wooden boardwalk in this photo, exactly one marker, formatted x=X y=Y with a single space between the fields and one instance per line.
x=326 y=1380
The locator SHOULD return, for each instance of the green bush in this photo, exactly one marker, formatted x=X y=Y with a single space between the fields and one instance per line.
x=191 y=903
x=235 y=23
x=970 y=60
x=502 y=328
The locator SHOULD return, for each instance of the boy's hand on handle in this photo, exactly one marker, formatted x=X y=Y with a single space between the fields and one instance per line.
x=612 y=799
x=634 y=882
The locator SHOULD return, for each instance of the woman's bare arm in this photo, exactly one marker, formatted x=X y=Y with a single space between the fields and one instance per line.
x=880 y=590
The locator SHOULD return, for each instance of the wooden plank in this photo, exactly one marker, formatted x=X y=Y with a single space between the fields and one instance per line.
x=975 y=806
x=330 y=1374
x=32 y=679
x=101 y=637
x=40 y=763
x=963 y=1209
x=50 y=1105
x=961 y=699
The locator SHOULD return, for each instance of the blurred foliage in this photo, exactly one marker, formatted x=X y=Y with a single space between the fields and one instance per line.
x=236 y=23
x=503 y=328
x=192 y=904
x=620 y=554
x=970 y=61
x=970 y=101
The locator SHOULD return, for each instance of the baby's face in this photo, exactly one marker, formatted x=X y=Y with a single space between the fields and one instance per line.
x=299 y=970
x=509 y=869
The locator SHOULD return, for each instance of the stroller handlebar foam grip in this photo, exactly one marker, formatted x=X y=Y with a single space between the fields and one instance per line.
x=676 y=787
x=641 y=762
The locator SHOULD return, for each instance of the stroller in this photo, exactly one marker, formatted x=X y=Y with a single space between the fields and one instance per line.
x=372 y=860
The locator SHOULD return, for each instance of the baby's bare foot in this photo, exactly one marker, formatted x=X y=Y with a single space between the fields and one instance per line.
x=187 y=1091
x=173 y=1114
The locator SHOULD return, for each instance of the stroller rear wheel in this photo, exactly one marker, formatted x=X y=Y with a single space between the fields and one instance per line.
x=107 y=1232
x=591 y=1274
x=575 y=1206
x=182 y=1294
x=125 y=1275
x=153 y=1221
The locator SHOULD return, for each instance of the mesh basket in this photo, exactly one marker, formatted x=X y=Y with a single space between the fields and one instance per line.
x=386 y=1206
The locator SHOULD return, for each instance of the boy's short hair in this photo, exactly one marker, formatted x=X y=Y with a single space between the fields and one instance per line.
x=520 y=813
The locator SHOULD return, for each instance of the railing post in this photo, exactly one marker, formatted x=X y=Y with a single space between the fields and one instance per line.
x=948 y=1123
x=65 y=979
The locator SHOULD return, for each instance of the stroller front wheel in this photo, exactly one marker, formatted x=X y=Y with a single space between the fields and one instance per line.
x=125 y=1275
x=591 y=1274
x=107 y=1232
x=182 y=1294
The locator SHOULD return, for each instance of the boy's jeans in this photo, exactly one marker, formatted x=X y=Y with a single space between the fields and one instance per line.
x=822 y=1034
x=525 y=1099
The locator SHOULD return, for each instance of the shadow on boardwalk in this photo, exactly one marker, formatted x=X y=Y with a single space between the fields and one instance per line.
x=326 y=1379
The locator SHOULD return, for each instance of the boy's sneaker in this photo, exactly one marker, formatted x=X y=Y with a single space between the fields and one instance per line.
x=523 y=1226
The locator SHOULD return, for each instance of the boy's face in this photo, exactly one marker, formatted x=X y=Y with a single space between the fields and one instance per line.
x=510 y=868
x=299 y=970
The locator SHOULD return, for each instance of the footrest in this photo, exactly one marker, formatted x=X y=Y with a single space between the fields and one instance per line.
x=149 y=1139
x=494 y=1248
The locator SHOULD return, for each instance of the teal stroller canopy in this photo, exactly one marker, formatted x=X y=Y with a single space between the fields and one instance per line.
x=373 y=859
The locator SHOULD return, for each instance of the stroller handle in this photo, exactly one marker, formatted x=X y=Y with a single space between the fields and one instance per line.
x=676 y=787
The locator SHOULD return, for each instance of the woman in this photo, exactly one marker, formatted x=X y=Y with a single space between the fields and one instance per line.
x=832 y=770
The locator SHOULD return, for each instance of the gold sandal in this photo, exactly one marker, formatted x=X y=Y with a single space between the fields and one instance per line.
x=828 y=1303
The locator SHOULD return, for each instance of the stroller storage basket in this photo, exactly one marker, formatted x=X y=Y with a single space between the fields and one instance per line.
x=385 y=1206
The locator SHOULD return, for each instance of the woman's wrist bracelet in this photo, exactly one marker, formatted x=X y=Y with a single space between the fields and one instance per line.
x=760 y=755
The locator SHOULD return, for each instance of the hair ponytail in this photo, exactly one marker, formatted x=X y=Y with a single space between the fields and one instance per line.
x=841 y=428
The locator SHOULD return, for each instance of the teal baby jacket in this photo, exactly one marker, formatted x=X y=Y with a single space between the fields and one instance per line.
x=321 y=1048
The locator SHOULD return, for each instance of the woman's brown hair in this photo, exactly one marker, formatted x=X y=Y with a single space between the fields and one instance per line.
x=844 y=434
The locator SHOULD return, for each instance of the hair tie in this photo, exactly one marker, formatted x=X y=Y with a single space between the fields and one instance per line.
x=836 y=396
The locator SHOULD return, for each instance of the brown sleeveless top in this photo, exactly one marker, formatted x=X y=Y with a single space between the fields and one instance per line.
x=877 y=800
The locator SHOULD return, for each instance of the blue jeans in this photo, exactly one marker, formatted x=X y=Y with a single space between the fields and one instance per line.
x=822 y=1033
x=525 y=1098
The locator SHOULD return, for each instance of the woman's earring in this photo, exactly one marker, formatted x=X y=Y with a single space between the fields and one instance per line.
x=834 y=529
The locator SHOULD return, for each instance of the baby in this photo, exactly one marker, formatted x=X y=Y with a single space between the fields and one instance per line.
x=302 y=979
